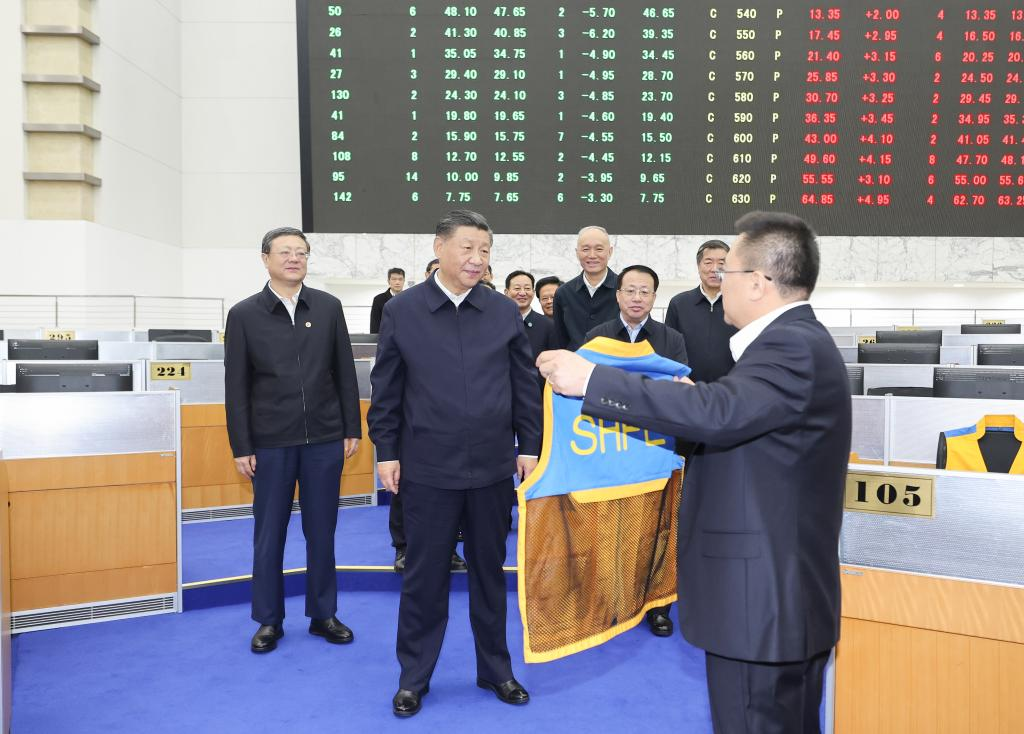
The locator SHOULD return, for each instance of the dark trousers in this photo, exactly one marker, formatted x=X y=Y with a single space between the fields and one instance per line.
x=317 y=468
x=432 y=518
x=395 y=524
x=765 y=698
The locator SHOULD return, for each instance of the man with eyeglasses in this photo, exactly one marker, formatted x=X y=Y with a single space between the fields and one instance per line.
x=699 y=316
x=762 y=499
x=292 y=404
x=637 y=288
x=588 y=299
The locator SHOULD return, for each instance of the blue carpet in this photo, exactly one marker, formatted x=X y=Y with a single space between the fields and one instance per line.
x=193 y=672
x=213 y=550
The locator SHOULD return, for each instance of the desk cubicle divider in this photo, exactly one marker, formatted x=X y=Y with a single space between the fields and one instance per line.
x=932 y=635
x=212 y=489
x=947 y=355
x=94 y=505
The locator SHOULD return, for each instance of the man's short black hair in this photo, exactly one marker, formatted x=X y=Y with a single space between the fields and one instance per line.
x=516 y=274
x=783 y=246
x=269 y=237
x=640 y=269
x=546 y=281
x=431 y=264
x=461 y=218
x=710 y=245
x=395 y=271
x=488 y=285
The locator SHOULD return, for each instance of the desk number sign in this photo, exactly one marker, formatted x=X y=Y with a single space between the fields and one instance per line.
x=59 y=335
x=170 y=371
x=890 y=494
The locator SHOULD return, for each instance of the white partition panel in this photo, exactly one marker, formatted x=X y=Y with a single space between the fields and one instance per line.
x=915 y=423
x=869 y=423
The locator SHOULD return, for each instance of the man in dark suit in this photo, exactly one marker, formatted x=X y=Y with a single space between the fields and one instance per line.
x=292 y=405
x=588 y=299
x=637 y=287
x=396 y=281
x=763 y=494
x=454 y=385
x=546 y=289
x=699 y=317
x=539 y=328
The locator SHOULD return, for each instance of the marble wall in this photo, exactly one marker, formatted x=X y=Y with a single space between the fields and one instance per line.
x=844 y=260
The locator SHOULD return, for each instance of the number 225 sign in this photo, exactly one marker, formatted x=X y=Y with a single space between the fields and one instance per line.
x=890 y=494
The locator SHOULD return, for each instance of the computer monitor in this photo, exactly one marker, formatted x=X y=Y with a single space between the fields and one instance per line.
x=1010 y=355
x=64 y=377
x=363 y=338
x=918 y=336
x=1 y=335
x=898 y=353
x=989 y=328
x=856 y=377
x=905 y=392
x=973 y=382
x=180 y=335
x=42 y=349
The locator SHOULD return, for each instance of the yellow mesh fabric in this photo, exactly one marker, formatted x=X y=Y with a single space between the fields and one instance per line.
x=588 y=571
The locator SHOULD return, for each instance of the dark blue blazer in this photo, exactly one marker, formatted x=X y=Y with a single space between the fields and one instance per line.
x=540 y=330
x=452 y=389
x=762 y=496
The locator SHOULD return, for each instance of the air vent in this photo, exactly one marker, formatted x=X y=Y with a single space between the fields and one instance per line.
x=66 y=616
x=234 y=512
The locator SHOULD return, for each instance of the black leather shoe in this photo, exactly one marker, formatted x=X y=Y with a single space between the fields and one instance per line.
x=266 y=638
x=407 y=703
x=508 y=692
x=458 y=563
x=399 y=560
x=661 y=625
x=331 y=630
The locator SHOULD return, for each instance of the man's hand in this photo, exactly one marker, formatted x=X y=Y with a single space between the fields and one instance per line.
x=246 y=465
x=389 y=473
x=567 y=372
x=684 y=380
x=351 y=446
x=525 y=466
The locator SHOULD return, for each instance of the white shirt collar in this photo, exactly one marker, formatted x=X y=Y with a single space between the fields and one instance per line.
x=631 y=330
x=456 y=299
x=710 y=300
x=289 y=303
x=743 y=338
x=593 y=288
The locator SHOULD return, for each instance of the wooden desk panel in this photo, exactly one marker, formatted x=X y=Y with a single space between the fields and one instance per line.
x=62 y=531
x=30 y=475
x=44 y=592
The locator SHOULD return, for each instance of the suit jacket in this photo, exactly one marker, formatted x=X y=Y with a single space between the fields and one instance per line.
x=284 y=384
x=377 y=308
x=453 y=388
x=707 y=335
x=665 y=341
x=576 y=312
x=762 y=496
x=540 y=330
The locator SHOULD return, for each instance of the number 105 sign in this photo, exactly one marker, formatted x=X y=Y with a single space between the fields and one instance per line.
x=890 y=494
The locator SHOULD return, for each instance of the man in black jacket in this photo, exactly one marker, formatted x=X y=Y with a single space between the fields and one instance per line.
x=699 y=316
x=454 y=386
x=396 y=281
x=637 y=287
x=539 y=328
x=292 y=405
x=763 y=495
x=588 y=299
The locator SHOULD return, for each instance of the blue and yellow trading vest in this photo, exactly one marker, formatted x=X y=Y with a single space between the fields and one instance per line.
x=597 y=518
x=963 y=452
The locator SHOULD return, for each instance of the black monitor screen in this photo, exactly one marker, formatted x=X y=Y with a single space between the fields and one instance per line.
x=1001 y=354
x=989 y=328
x=992 y=384
x=898 y=353
x=43 y=349
x=180 y=335
x=856 y=377
x=662 y=118
x=907 y=392
x=106 y=377
x=917 y=336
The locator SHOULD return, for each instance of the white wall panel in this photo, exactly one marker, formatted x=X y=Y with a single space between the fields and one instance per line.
x=140 y=195
x=238 y=11
x=235 y=209
x=239 y=60
x=240 y=135
x=145 y=33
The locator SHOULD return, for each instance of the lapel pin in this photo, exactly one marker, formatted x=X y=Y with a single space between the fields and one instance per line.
x=309 y=324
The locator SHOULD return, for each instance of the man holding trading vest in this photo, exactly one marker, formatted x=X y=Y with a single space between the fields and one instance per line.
x=763 y=493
